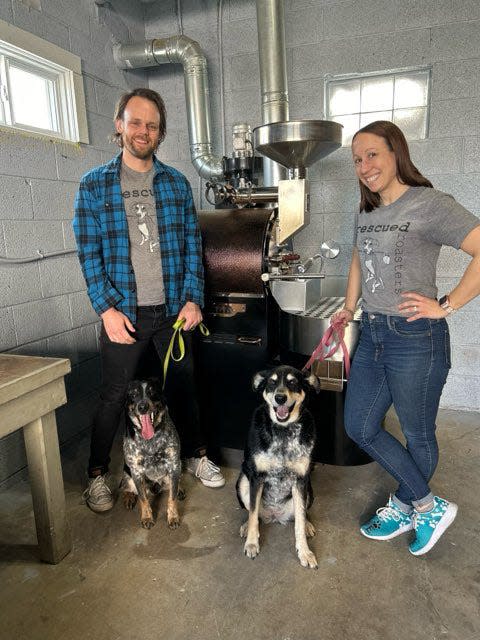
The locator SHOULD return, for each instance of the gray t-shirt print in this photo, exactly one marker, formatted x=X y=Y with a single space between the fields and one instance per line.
x=399 y=245
x=145 y=219
x=145 y=255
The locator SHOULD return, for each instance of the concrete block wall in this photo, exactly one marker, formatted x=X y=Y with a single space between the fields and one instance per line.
x=338 y=37
x=43 y=305
x=44 y=309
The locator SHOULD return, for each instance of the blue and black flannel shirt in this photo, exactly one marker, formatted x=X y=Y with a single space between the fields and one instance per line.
x=101 y=231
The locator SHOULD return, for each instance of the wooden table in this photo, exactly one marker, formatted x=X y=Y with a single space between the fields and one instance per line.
x=31 y=388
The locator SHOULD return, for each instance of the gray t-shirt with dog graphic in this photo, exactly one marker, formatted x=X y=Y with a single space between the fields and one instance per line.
x=399 y=245
x=140 y=207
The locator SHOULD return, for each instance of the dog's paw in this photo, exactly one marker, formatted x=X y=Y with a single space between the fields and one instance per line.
x=147 y=523
x=251 y=549
x=244 y=529
x=307 y=558
x=129 y=499
x=309 y=529
x=173 y=522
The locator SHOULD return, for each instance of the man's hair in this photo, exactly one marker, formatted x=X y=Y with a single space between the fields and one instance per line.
x=148 y=94
x=407 y=172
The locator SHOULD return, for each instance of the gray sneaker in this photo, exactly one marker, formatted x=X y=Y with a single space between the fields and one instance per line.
x=207 y=472
x=97 y=495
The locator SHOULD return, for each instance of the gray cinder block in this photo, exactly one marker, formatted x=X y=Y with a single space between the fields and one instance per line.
x=41 y=318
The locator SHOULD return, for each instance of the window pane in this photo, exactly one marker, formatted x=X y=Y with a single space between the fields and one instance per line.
x=411 y=91
x=357 y=100
x=413 y=122
x=344 y=98
x=350 y=126
x=32 y=99
x=377 y=94
x=366 y=118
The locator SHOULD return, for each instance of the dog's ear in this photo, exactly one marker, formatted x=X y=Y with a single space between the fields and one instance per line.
x=132 y=385
x=130 y=391
x=311 y=380
x=155 y=382
x=259 y=380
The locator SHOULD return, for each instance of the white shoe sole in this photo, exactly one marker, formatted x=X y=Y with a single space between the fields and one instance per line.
x=212 y=484
x=100 y=508
x=447 y=519
x=398 y=532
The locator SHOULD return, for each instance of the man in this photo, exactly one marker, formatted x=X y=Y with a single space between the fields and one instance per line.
x=140 y=251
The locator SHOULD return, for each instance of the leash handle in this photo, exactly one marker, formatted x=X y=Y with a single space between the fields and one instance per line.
x=332 y=339
x=178 y=337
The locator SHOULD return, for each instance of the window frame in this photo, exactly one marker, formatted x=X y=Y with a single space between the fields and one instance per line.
x=330 y=79
x=49 y=62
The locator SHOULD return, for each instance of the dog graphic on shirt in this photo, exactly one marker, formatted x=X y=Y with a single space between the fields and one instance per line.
x=374 y=278
x=141 y=211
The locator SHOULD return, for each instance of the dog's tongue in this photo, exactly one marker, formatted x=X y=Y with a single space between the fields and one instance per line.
x=282 y=411
x=147 y=426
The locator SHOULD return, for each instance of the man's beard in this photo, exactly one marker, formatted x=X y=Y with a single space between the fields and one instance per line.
x=142 y=153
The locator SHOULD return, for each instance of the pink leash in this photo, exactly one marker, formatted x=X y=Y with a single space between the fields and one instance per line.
x=331 y=340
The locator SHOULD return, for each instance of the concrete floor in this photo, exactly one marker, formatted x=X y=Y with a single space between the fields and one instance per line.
x=122 y=582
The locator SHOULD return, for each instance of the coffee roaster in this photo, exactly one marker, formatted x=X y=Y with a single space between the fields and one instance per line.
x=259 y=293
x=241 y=315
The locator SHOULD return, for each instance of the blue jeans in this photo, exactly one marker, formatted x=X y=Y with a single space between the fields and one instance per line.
x=405 y=364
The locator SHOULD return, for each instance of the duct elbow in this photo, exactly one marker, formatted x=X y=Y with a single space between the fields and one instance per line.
x=181 y=49
x=208 y=166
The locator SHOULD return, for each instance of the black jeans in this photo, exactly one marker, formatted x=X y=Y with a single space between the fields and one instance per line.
x=119 y=366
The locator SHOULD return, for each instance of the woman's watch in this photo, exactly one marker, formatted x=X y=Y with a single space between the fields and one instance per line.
x=444 y=302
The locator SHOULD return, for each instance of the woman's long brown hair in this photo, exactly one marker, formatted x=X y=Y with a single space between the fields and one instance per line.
x=407 y=172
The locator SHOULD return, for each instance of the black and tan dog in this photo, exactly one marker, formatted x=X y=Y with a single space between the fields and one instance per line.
x=274 y=483
x=152 y=451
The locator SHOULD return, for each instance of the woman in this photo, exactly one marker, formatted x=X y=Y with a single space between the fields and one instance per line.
x=403 y=356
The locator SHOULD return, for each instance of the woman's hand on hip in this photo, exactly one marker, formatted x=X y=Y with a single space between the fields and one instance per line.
x=417 y=306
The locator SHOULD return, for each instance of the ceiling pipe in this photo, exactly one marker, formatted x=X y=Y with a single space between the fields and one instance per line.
x=187 y=52
x=273 y=75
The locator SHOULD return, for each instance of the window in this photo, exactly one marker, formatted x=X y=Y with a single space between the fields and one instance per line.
x=399 y=96
x=38 y=93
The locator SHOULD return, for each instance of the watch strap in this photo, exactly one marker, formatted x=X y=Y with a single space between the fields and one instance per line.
x=444 y=302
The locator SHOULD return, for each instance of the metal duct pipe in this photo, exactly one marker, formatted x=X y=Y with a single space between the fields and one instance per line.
x=273 y=74
x=187 y=52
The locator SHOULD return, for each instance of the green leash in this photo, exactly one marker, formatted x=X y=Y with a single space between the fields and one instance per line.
x=177 y=337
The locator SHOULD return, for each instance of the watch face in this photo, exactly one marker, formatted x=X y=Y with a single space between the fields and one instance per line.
x=443 y=302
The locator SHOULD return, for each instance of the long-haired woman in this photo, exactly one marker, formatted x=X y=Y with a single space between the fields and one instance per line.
x=403 y=355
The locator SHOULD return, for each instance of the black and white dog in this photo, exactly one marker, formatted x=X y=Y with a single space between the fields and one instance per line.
x=151 y=448
x=274 y=483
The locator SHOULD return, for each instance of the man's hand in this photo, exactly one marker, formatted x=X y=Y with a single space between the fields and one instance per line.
x=192 y=314
x=116 y=324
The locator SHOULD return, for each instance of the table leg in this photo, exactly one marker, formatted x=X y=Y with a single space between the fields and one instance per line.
x=46 y=482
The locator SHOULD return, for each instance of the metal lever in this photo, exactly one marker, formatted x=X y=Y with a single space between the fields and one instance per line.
x=305 y=266
x=300 y=276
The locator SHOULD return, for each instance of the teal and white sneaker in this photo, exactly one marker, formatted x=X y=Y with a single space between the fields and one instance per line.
x=430 y=526
x=389 y=522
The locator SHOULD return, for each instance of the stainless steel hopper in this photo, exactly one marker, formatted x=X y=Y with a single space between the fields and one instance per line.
x=297 y=144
